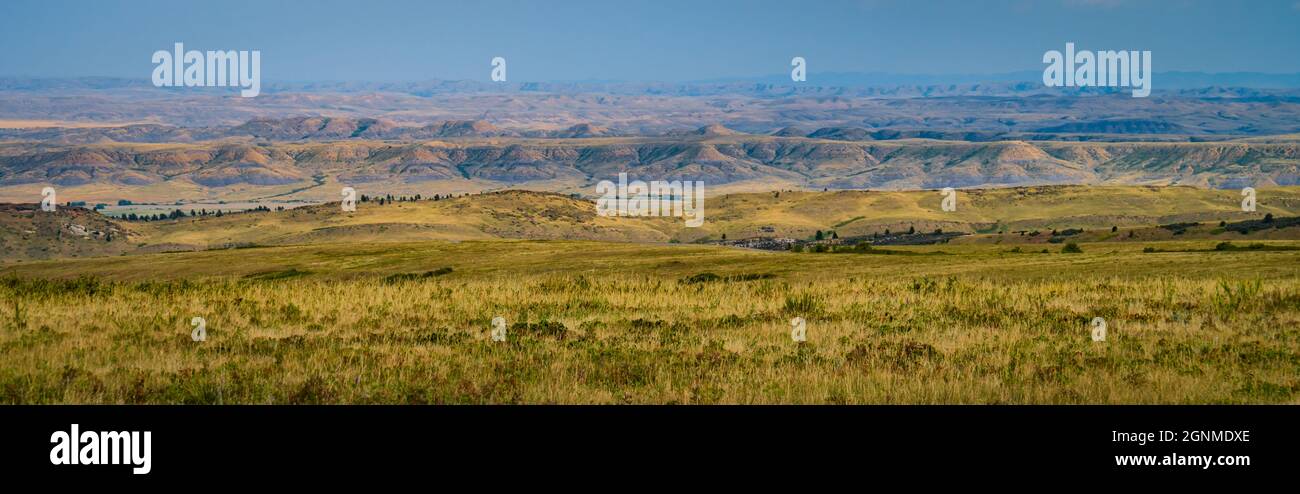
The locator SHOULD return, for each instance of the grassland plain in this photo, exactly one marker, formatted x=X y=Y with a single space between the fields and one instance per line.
x=594 y=322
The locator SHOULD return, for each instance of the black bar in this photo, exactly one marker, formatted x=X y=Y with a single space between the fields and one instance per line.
x=311 y=444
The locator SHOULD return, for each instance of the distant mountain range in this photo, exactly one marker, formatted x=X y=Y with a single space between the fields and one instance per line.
x=228 y=169
x=1205 y=113
x=346 y=128
x=106 y=139
x=1172 y=80
x=842 y=83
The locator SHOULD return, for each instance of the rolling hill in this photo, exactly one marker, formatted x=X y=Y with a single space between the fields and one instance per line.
x=990 y=215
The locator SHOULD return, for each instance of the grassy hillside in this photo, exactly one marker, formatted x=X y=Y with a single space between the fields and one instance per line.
x=800 y=214
x=524 y=215
x=26 y=232
x=515 y=214
x=997 y=213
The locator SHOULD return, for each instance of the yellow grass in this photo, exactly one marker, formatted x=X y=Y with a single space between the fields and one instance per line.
x=635 y=323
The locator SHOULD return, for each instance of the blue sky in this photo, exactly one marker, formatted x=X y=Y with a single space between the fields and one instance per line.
x=664 y=40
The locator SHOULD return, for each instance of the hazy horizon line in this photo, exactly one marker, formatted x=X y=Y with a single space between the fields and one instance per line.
x=1028 y=75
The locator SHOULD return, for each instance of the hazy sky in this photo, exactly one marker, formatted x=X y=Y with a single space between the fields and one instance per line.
x=665 y=40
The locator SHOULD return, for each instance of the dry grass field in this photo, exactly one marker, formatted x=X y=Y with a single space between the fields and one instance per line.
x=594 y=322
